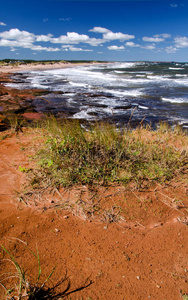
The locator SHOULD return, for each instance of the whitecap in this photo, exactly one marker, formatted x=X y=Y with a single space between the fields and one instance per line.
x=119 y=72
x=175 y=100
x=181 y=75
x=124 y=65
x=143 y=107
x=132 y=93
x=171 y=68
x=78 y=84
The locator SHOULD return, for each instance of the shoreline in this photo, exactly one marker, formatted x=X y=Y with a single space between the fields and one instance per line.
x=40 y=66
x=7 y=71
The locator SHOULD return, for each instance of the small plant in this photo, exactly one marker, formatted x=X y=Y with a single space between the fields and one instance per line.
x=19 y=286
x=23 y=289
x=23 y=169
x=15 y=122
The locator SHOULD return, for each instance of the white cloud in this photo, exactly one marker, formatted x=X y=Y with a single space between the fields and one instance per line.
x=71 y=37
x=15 y=38
x=108 y=35
x=45 y=20
x=116 y=47
x=95 y=42
x=171 y=49
x=17 y=44
x=99 y=30
x=44 y=38
x=149 y=47
x=40 y=48
x=16 y=34
x=131 y=44
x=2 y=24
x=163 y=35
x=72 y=48
x=10 y=43
x=181 y=42
x=22 y=39
x=111 y=36
x=75 y=38
x=152 y=39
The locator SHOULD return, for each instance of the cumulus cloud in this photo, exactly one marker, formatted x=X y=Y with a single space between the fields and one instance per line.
x=131 y=44
x=99 y=30
x=71 y=37
x=95 y=42
x=152 y=39
x=111 y=36
x=15 y=38
x=40 y=48
x=171 y=49
x=44 y=38
x=181 y=42
x=16 y=34
x=114 y=47
x=108 y=35
x=25 y=45
x=2 y=24
x=10 y=43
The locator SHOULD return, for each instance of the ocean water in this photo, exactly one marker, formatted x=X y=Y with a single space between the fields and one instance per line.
x=117 y=91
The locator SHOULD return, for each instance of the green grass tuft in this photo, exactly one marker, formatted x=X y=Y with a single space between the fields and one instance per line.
x=104 y=153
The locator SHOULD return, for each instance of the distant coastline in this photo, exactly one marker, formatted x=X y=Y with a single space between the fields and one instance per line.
x=40 y=65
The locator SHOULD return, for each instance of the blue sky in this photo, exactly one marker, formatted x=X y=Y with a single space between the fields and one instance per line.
x=123 y=30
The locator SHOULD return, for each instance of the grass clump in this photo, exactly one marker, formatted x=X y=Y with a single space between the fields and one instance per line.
x=103 y=153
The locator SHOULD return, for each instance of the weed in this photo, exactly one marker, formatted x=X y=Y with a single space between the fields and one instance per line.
x=18 y=286
x=23 y=169
x=23 y=287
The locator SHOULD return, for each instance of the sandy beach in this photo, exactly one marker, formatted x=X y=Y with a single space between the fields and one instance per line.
x=40 y=66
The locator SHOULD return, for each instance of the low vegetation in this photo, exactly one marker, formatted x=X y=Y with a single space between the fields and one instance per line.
x=18 y=282
x=21 y=287
x=102 y=153
x=16 y=62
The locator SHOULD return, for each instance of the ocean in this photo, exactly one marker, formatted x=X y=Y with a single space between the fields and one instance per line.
x=118 y=91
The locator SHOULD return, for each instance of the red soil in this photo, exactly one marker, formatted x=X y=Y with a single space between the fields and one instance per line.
x=141 y=256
